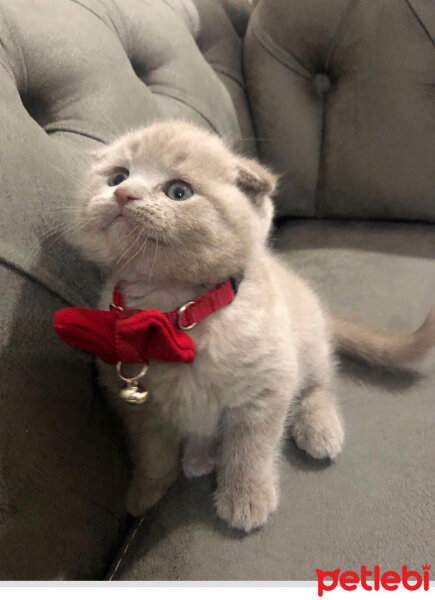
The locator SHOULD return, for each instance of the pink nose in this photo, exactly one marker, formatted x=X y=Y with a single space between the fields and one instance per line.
x=124 y=196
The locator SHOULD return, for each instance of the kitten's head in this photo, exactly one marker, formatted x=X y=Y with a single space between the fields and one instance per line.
x=171 y=201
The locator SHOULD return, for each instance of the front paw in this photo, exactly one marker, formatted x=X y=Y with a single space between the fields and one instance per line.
x=246 y=507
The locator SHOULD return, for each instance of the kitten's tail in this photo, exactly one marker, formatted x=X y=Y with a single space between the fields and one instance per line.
x=377 y=347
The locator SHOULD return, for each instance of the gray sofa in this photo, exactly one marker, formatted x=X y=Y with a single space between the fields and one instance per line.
x=337 y=96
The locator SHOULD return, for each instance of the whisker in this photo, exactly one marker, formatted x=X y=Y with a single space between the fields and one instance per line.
x=139 y=251
x=154 y=260
x=130 y=247
x=62 y=229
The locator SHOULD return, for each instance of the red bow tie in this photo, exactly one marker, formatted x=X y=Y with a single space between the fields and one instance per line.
x=136 y=336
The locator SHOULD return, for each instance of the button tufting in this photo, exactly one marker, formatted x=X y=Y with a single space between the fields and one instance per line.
x=37 y=109
x=321 y=83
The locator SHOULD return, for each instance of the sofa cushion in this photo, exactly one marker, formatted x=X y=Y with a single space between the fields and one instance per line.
x=73 y=75
x=375 y=504
x=342 y=98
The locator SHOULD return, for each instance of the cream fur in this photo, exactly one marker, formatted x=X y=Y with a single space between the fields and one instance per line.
x=263 y=363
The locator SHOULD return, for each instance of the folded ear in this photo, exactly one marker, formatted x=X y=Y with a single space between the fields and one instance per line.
x=255 y=180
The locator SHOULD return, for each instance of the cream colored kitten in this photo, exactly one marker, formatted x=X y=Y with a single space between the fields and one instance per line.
x=263 y=362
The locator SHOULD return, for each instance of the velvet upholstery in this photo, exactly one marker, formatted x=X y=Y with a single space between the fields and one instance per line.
x=342 y=97
x=73 y=75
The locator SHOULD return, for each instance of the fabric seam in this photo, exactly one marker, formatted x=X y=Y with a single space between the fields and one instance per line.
x=174 y=97
x=414 y=10
x=43 y=281
x=274 y=50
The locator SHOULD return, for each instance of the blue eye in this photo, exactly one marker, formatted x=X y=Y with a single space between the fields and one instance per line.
x=118 y=177
x=178 y=190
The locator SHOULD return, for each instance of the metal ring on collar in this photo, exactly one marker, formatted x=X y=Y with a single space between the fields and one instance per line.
x=131 y=379
x=180 y=314
x=114 y=306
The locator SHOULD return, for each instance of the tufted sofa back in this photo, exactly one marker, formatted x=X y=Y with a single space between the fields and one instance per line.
x=77 y=73
x=342 y=94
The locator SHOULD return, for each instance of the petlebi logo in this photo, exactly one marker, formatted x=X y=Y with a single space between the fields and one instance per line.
x=389 y=580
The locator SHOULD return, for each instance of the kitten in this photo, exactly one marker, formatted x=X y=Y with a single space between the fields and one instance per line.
x=169 y=213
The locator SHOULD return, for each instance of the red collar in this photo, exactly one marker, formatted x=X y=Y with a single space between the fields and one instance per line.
x=136 y=336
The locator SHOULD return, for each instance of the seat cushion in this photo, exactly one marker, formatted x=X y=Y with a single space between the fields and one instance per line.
x=74 y=75
x=342 y=96
x=375 y=504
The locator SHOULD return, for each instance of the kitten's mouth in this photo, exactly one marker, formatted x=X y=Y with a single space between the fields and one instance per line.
x=122 y=219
